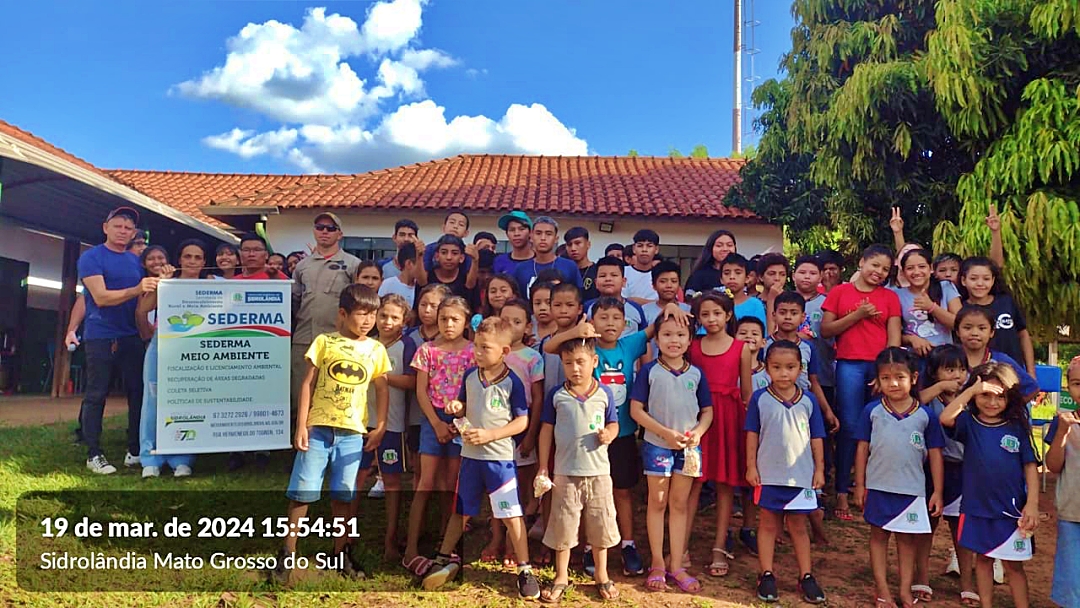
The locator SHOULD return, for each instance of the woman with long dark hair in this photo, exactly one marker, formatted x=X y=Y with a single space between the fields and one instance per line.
x=706 y=272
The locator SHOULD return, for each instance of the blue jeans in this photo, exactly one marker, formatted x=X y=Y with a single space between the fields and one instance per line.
x=338 y=449
x=852 y=394
x=148 y=424
x=103 y=356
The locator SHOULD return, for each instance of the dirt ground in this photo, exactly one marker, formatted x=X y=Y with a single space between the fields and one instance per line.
x=842 y=567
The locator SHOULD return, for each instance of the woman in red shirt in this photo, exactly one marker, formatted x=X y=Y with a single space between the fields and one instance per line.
x=864 y=317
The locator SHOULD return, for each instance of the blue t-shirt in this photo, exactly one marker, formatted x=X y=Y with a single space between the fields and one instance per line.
x=504 y=264
x=120 y=271
x=636 y=319
x=752 y=307
x=525 y=272
x=616 y=372
x=994 y=486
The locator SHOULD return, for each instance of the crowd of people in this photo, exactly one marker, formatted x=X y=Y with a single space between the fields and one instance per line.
x=542 y=386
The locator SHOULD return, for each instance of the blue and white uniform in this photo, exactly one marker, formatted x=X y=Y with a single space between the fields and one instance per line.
x=995 y=490
x=490 y=403
x=809 y=360
x=760 y=379
x=953 y=455
x=895 y=472
x=785 y=459
x=390 y=455
x=674 y=398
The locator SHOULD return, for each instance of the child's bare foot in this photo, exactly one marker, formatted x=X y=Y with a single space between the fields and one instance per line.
x=391 y=554
x=491 y=551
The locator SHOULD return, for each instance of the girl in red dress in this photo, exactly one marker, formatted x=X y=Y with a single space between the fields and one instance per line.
x=727 y=366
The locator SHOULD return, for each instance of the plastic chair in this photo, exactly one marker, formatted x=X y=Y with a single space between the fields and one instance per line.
x=1049 y=379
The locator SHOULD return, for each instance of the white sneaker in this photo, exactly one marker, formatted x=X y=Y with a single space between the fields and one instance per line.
x=131 y=460
x=98 y=464
x=954 y=565
x=148 y=472
x=182 y=470
x=999 y=573
x=377 y=490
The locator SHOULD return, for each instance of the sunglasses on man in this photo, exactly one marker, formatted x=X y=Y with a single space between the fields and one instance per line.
x=326 y=227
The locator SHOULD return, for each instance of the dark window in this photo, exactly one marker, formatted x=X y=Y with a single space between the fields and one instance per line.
x=369 y=248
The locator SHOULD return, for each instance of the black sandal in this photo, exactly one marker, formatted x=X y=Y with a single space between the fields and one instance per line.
x=555 y=593
x=608 y=591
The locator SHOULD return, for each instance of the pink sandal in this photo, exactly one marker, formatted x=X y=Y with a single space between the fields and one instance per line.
x=656 y=583
x=688 y=584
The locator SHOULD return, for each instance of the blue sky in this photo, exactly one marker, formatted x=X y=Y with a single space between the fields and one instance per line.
x=287 y=87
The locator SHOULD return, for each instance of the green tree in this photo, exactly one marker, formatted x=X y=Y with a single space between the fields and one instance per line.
x=1006 y=79
x=699 y=151
x=853 y=130
x=632 y=153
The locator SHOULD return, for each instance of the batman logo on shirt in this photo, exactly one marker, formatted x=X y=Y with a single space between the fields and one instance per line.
x=347 y=372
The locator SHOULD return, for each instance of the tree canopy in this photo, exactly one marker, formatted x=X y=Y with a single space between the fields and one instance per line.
x=938 y=108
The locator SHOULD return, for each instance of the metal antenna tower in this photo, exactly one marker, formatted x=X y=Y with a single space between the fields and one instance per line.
x=749 y=52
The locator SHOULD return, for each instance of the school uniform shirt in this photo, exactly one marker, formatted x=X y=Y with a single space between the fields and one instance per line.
x=525 y=273
x=673 y=397
x=921 y=323
x=119 y=270
x=653 y=310
x=1009 y=321
x=864 y=340
x=616 y=372
x=345 y=368
x=400 y=354
x=639 y=284
x=751 y=307
x=898 y=447
x=554 y=374
x=825 y=347
x=528 y=365
x=760 y=379
x=492 y=403
x=577 y=419
x=993 y=471
x=953 y=450
x=394 y=285
x=809 y=360
x=1068 y=484
x=785 y=428
x=636 y=320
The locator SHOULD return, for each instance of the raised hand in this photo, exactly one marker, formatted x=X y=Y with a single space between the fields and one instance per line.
x=896 y=222
x=992 y=220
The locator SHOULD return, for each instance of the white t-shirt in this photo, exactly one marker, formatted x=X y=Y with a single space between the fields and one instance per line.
x=639 y=284
x=394 y=285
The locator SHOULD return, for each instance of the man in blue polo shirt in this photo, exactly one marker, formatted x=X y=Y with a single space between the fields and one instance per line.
x=545 y=234
x=113 y=280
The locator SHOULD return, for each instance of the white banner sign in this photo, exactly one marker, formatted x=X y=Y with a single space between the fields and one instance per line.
x=223 y=366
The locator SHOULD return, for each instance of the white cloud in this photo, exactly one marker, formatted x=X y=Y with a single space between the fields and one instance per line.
x=334 y=120
x=248 y=144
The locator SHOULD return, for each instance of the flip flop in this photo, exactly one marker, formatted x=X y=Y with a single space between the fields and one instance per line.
x=555 y=593
x=608 y=591
x=687 y=584
x=656 y=583
x=843 y=515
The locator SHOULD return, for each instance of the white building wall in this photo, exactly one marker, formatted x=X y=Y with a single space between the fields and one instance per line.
x=291 y=230
x=46 y=257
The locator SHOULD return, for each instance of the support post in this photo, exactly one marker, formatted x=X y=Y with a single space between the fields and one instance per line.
x=62 y=358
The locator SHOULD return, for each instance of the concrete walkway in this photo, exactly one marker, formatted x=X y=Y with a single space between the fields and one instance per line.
x=33 y=410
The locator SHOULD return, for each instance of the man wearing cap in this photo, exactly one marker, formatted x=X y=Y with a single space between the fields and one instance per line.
x=113 y=279
x=577 y=249
x=138 y=242
x=518 y=228
x=639 y=287
x=317 y=284
x=545 y=234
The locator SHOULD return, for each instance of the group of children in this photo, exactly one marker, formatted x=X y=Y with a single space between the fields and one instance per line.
x=536 y=406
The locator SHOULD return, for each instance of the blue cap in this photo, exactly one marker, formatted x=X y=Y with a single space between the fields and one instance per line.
x=515 y=216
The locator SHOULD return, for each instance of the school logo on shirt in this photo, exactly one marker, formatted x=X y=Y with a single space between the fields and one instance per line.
x=1020 y=546
x=390 y=457
x=1005 y=321
x=808 y=494
x=1010 y=444
x=917 y=440
x=804 y=426
x=912 y=518
x=691 y=385
x=497 y=403
x=597 y=422
x=504 y=505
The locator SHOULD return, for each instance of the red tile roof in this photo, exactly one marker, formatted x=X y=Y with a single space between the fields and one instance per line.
x=557 y=185
x=188 y=192
x=35 y=141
